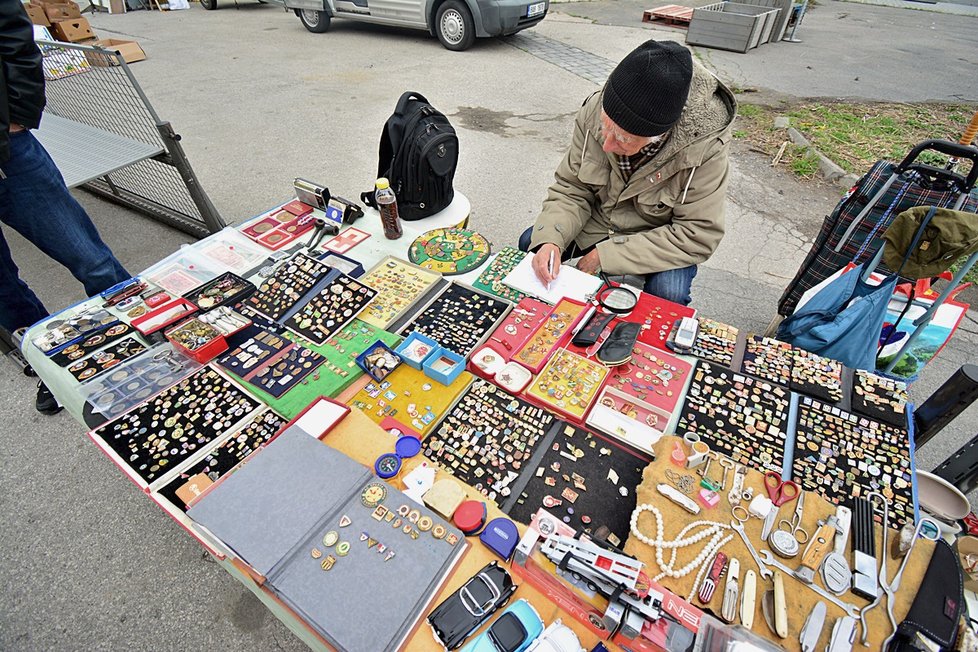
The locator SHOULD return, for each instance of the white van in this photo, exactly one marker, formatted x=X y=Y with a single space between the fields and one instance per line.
x=456 y=23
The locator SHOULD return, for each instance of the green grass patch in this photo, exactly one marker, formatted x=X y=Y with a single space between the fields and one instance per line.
x=856 y=135
x=804 y=162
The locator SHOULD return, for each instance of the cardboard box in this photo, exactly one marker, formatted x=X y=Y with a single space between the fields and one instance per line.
x=37 y=15
x=72 y=31
x=62 y=12
x=130 y=51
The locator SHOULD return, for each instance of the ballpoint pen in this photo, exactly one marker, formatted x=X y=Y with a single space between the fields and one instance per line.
x=550 y=270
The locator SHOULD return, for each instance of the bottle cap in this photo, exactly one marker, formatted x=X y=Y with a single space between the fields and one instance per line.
x=382 y=183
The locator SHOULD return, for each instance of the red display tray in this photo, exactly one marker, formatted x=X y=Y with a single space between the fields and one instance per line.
x=552 y=332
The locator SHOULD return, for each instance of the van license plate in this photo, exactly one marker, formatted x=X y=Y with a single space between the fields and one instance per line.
x=535 y=9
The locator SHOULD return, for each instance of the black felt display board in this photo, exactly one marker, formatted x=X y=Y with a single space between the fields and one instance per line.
x=488 y=438
x=330 y=309
x=715 y=342
x=281 y=292
x=287 y=371
x=106 y=359
x=155 y=437
x=250 y=349
x=767 y=359
x=841 y=455
x=817 y=376
x=601 y=502
x=737 y=415
x=458 y=318
x=92 y=342
x=880 y=398
x=259 y=429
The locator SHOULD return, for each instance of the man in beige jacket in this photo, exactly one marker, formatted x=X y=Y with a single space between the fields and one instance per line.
x=642 y=187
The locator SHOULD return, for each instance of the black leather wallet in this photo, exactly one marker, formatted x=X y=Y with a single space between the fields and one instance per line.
x=937 y=609
x=617 y=349
x=591 y=331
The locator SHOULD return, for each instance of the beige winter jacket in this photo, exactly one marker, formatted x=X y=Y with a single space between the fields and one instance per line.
x=670 y=212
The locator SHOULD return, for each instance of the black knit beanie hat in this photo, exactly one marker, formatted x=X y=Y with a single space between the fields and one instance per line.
x=647 y=91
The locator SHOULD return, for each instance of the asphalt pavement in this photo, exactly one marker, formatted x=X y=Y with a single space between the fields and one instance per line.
x=90 y=562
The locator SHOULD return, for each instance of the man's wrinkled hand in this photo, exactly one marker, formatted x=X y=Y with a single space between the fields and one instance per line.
x=590 y=263
x=541 y=263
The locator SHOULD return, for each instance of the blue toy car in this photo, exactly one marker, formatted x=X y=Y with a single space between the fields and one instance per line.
x=514 y=630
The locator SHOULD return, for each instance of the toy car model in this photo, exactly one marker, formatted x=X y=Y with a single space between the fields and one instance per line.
x=558 y=637
x=456 y=23
x=462 y=612
x=514 y=630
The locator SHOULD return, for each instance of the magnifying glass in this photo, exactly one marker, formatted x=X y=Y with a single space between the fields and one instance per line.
x=617 y=300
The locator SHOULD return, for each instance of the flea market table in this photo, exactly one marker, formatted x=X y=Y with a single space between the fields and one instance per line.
x=632 y=392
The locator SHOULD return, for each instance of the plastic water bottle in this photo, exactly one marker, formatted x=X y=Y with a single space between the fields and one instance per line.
x=387 y=205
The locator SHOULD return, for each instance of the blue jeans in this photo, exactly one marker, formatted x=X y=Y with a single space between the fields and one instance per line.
x=672 y=284
x=35 y=202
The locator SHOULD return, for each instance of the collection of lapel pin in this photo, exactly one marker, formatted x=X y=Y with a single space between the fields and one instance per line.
x=259 y=429
x=840 y=455
x=157 y=435
x=487 y=437
x=583 y=480
x=491 y=278
x=329 y=310
x=399 y=285
x=459 y=318
x=745 y=418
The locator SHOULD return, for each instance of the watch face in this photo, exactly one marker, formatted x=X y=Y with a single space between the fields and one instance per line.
x=373 y=494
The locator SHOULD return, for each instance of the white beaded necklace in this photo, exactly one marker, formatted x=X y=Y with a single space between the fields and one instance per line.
x=660 y=543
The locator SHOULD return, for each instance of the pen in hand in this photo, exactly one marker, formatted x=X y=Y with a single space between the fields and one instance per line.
x=550 y=270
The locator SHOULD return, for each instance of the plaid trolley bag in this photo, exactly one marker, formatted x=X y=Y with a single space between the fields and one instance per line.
x=854 y=230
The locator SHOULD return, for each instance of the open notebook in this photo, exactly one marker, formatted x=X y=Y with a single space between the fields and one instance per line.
x=570 y=282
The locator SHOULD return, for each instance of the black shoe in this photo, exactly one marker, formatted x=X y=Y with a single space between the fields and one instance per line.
x=46 y=403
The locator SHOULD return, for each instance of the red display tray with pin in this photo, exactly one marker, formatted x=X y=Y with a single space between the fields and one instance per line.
x=657 y=316
x=518 y=326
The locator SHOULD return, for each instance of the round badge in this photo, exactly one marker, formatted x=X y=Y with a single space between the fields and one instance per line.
x=413 y=516
x=88 y=373
x=373 y=494
x=316 y=553
x=439 y=531
x=116 y=330
x=342 y=548
x=425 y=523
x=330 y=538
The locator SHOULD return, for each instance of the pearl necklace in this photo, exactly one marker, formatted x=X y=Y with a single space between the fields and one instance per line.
x=660 y=543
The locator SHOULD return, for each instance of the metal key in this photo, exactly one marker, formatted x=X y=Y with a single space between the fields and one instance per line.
x=766 y=572
x=706 y=467
x=727 y=464
x=849 y=609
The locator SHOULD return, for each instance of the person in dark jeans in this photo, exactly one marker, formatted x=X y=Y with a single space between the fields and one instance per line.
x=34 y=200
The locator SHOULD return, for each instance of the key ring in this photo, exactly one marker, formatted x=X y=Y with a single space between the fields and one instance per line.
x=744 y=510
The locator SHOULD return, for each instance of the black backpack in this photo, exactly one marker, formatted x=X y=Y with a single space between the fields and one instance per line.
x=418 y=155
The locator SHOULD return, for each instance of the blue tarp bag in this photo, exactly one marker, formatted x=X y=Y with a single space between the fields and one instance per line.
x=843 y=320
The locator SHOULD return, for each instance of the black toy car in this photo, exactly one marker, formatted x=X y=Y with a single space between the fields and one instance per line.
x=463 y=611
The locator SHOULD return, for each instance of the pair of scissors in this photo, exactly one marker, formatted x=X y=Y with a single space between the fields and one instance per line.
x=794 y=525
x=778 y=490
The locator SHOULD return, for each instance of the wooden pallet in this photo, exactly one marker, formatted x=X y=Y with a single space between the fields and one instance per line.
x=677 y=15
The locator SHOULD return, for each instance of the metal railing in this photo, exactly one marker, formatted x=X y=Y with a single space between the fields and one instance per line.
x=94 y=86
